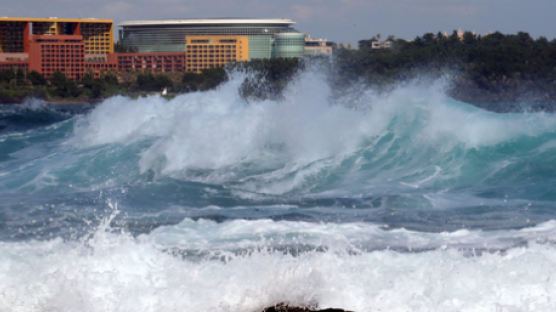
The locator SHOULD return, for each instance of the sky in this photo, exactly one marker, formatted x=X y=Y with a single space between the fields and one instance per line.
x=345 y=21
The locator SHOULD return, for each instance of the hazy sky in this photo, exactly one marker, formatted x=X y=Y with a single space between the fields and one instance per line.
x=338 y=20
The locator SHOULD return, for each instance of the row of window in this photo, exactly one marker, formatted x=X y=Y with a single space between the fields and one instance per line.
x=63 y=52
x=155 y=57
x=61 y=46
x=212 y=46
x=92 y=51
x=59 y=57
x=209 y=61
x=211 y=54
x=50 y=65
x=102 y=65
x=61 y=69
x=212 y=41
x=149 y=62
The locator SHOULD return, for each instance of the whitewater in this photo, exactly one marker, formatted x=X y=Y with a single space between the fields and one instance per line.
x=406 y=200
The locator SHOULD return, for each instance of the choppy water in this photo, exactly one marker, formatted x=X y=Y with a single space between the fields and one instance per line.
x=409 y=201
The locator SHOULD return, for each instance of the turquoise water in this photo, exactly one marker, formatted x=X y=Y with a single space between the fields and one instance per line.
x=401 y=201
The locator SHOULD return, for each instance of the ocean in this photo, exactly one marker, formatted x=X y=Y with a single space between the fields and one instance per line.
x=367 y=201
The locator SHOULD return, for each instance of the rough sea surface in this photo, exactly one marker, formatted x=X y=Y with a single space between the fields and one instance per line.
x=406 y=201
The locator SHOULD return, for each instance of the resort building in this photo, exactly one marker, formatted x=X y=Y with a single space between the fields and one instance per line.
x=76 y=47
x=51 y=53
x=267 y=38
x=150 y=62
x=47 y=45
x=15 y=32
x=210 y=51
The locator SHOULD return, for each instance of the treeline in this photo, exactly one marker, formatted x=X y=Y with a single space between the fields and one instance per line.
x=494 y=67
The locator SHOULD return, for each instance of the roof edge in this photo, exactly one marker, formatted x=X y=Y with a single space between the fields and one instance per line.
x=208 y=21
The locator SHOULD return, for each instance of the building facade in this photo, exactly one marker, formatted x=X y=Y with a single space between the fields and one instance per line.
x=210 y=51
x=267 y=38
x=78 y=46
x=51 y=53
x=48 y=45
x=150 y=62
x=16 y=33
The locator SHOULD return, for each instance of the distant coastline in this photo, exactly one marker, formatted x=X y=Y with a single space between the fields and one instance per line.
x=497 y=72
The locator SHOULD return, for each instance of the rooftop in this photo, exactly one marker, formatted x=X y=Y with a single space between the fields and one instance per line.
x=208 y=21
x=54 y=19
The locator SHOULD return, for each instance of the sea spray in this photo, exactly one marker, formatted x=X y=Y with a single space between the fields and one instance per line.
x=407 y=200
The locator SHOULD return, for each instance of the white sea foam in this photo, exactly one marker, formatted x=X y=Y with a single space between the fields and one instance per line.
x=115 y=272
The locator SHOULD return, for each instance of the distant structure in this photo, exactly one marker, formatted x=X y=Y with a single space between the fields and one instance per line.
x=377 y=45
x=459 y=33
x=347 y=46
x=76 y=47
x=316 y=47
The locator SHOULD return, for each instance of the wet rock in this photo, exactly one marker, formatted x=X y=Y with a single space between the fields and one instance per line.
x=285 y=308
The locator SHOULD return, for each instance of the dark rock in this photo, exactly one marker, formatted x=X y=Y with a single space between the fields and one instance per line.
x=285 y=308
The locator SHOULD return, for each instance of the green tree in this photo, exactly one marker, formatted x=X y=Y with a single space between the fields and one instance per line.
x=36 y=78
x=64 y=87
x=150 y=82
x=7 y=75
x=20 y=77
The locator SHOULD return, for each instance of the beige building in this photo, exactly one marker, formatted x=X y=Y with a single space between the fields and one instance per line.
x=211 y=51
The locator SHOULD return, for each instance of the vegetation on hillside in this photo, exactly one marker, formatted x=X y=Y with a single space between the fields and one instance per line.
x=491 y=68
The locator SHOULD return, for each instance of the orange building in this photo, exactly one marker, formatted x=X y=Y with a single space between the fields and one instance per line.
x=15 y=32
x=13 y=65
x=159 y=62
x=98 y=65
x=52 y=53
x=211 y=51
x=11 y=61
x=54 y=44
